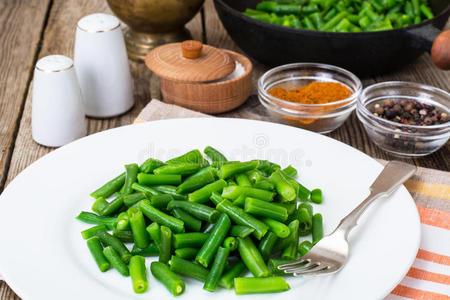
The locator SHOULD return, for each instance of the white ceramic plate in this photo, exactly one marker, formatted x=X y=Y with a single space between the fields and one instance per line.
x=42 y=255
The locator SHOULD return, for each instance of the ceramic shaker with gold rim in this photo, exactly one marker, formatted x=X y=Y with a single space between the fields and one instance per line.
x=201 y=77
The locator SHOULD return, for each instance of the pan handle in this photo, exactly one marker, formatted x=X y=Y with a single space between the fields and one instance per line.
x=436 y=42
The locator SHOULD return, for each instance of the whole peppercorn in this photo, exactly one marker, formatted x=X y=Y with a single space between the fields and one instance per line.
x=397 y=108
x=409 y=106
x=404 y=102
x=379 y=109
x=428 y=121
x=388 y=102
x=390 y=113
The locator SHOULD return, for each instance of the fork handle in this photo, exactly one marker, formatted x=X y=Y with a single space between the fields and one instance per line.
x=390 y=179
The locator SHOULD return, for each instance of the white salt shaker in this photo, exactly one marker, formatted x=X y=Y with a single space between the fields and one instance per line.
x=57 y=105
x=102 y=66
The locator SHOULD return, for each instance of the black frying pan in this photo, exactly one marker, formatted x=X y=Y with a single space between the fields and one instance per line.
x=365 y=53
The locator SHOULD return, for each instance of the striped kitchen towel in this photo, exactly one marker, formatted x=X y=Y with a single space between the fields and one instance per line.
x=429 y=276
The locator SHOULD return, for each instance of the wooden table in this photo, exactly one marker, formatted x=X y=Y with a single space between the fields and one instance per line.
x=33 y=29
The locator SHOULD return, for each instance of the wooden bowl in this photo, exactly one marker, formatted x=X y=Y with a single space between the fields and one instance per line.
x=211 y=97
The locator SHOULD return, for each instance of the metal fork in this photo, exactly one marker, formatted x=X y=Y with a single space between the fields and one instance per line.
x=330 y=253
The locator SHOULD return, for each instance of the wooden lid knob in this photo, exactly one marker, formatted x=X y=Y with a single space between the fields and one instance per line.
x=191 y=49
x=440 y=52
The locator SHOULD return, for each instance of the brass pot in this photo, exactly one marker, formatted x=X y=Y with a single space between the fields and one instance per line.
x=154 y=22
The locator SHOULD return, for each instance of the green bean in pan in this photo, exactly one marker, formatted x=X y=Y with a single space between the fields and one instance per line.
x=138 y=274
x=151 y=179
x=232 y=169
x=233 y=192
x=190 y=223
x=200 y=211
x=241 y=231
x=96 y=249
x=116 y=244
x=280 y=229
x=186 y=253
x=217 y=268
x=227 y=279
x=203 y=194
x=110 y=187
x=90 y=232
x=214 y=154
x=178 y=169
x=188 y=268
x=150 y=250
x=131 y=177
x=171 y=281
x=252 y=258
x=137 y=224
x=132 y=199
x=265 y=209
x=161 y=218
x=317 y=228
x=154 y=230
x=193 y=156
x=144 y=189
x=161 y=201
x=190 y=239
x=266 y=245
x=251 y=285
x=196 y=181
x=165 y=244
x=304 y=247
x=115 y=260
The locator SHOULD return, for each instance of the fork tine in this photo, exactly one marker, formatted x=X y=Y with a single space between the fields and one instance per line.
x=291 y=265
x=316 y=269
x=294 y=269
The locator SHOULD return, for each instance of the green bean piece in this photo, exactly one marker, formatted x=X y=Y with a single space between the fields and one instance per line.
x=265 y=209
x=264 y=185
x=233 y=192
x=426 y=11
x=131 y=177
x=318 y=22
x=305 y=221
x=227 y=279
x=285 y=242
x=149 y=165
x=132 y=199
x=316 y=196
x=203 y=194
x=231 y=182
x=240 y=217
x=208 y=227
x=186 y=253
x=165 y=245
x=415 y=7
x=137 y=224
x=113 y=206
x=214 y=154
x=215 y=239
x=290 y=207
x=145 y=189
x=304 y=247
x=255 y=175
x=190 y=239
x=151 y=179
x=329 y=15
x=230 y=243
x=240 y=201
x=90 y=232
x=155 y=233
x=193 y=156
x=232 y=169
x=308 y=24
x=251 y=285
x=242 y=180
x=190 y=222
x=188 y=268
x=215 y=198
x=138 y=274
x=282 y=185
x=290 y=252
x=343 y=25
x=317 y=228
x=217 y=268
x=150 y=250
x=161 y=218
x=364 y=22
x=99 y=205
x=116 y=244
x=280 y=229
x=178 y=169
x=409 y=9
x=196 y=181
x=161 y=201
x=115 y=260
x=309 y=9
x=274 y=263
x=110 y=187
x=241 y=231
x=125 y=236
x=252 y=258
x=302 y=192
x=267 y=243
x=200 y=211
x=334 y=21
x=96 y=249
x=123 y=221
x=171 y=281
x=171 y=190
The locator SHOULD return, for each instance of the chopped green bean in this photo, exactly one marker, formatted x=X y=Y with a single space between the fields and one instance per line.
x=251 y=285
x=161 y=218
x=188 y=268
x=96 y=249
x=252 y=258
x=171 y=281
x=115 y=260
x=138 y=274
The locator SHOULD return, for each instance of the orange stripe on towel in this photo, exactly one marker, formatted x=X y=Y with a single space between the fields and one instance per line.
x=408 y=292
x=428 y=276
x=433 y=257
x=428 y=189
x=434 y=217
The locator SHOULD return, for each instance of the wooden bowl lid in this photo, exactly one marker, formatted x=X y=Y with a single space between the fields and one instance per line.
x=190 y=61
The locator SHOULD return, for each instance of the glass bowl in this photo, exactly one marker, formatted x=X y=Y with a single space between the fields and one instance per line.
x=321 y=118
x=401 y=139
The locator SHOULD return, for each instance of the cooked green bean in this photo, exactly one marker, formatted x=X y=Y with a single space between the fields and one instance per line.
x=116 y=244
x=96 y=249
x=265 y=209
x=264 y=185
x=285 y=242
x=194 y=156
x=155 y=232
x=274 y=263
x=280 y=229
x=115 y=260
x=165 y=244
x=217 y=268
x=208 y=227
x=190 y=239
x=125 y=236
x=149 y=165
x=178 y=169
x=240 y=201
x=290 y=207
x=110 y=187
x=186 y=253
x=130 y=177
x=215 y=198
x=138 y=274
x=230 y=243
x=150 y=250
x=240 y=217
x=252 y=258
x=203 y=194
x=304 y=247
x=233 y=192
x=251 y=285
x=241 y=231
x=267 y=243
x=132 y=199
x=150 y=179
x=161 y=218
x=137 y=224
x=99 y=205
x=214 y=154
x=316 y=196
x=161 y=201
x=215 y=239
x=123 y=221
x=197 y=210
x=190 y=222
x=227 y=279
x=290 y=252
x=304 y=216
x=188 y=268
x=171 y=281
x=232 y=169
x=282 y=185
x=113 y=206
x=317 y=228
x=90 y=232
x=242 y=180
x=145 y=189
x=170 y=190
